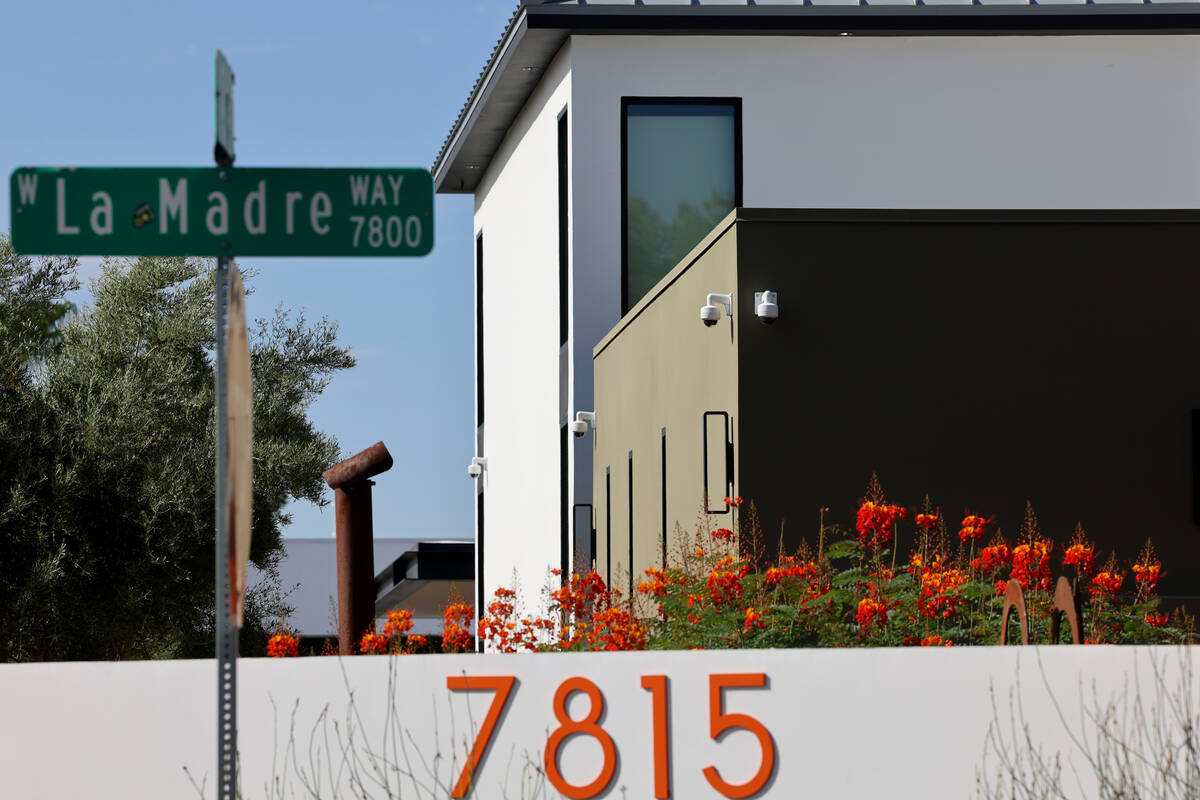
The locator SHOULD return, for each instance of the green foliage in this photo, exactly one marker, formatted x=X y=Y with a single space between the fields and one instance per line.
x=107 y=454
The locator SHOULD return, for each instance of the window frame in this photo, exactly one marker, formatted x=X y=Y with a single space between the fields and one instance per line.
x=734 y=103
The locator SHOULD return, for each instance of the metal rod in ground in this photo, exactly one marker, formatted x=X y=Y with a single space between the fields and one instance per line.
x=224 y=626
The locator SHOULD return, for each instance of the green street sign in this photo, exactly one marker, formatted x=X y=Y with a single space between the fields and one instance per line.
x=221 y=211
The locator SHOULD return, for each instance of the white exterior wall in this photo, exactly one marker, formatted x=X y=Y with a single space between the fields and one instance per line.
x=827 y=122
x=516 y=210
x=851 y=723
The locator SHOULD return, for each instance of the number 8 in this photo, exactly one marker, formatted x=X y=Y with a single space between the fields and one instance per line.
x=587 y=726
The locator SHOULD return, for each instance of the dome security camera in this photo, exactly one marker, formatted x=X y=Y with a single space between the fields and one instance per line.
x=583 y=419
x=766 y=306
x=710 y=313
x=477 y=466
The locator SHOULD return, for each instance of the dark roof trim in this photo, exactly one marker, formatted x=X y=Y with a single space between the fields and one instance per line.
x=972 y=216
x=987 y=19
x=536 y=33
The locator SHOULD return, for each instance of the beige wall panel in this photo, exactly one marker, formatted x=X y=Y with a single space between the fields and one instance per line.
x=662 y=368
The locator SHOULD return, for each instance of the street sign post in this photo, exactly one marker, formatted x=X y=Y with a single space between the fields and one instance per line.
x=227 y=516
x=224 y=212
x=221 y=211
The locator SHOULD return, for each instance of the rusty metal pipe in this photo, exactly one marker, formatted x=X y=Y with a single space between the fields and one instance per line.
x=359 y=467
x=355 y=541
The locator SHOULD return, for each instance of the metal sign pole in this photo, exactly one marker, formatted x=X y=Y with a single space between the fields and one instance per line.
x=224 y=627
x=226 y=630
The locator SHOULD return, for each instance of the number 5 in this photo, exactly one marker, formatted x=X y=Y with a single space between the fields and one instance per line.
x=502 y=685
x=719 y=722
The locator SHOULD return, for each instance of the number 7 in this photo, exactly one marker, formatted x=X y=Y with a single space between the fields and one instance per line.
x=502 y=685
x=357 y=229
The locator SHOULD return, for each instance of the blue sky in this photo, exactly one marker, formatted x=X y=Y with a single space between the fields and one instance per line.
x=318 y=85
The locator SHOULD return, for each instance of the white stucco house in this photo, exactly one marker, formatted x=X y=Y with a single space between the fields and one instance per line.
x=602 y=141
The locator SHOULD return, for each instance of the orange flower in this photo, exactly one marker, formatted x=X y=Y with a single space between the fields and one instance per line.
x=283 y=645
x=928 y=521
x=373 y=643
x=456 y=627
x=616 y=629
x=1081 y=556
x=938 y=595
x=725 y=582
x=973 y=527
x=753 y=620
x=807 y=570
x=993 y=558
x=936 y=641
x=872 y=612
x=1146 y=572
x=1108 y=583
x=874 y=523
x=733 y=501
x=415 y=642
x=1031 y=564
x=1157 y=620
x=399 y=622
x=722 y=534
x=581 y=596
x=1080 y=553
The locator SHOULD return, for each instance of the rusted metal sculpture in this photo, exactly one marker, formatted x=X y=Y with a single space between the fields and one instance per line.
x=1014 y=598
x=351 y=484
x=1066 y=601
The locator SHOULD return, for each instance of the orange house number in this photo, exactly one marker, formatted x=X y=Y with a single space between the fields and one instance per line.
x=589 y=725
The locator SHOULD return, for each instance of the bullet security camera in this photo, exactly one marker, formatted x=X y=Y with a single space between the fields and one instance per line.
x=710 y=313
x=477 y=466
x=583 y=419
x=766 y=306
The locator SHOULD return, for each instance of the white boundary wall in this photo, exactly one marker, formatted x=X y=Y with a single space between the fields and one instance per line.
x=845 y=723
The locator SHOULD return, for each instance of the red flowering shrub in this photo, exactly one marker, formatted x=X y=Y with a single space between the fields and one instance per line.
x=282 y=644
x=456 y=627
x=1146 y=572
x=373 y=643
x=1031 y=565
x=973 y=528
x=718 y=589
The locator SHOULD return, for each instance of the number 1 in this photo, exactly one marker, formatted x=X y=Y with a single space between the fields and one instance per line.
x=657 y=684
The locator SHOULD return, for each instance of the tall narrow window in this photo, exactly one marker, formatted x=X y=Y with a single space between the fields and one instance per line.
x=564 y=546
x=681 y=165
x=563 y=305
x=630 y=523
x=479 y=606
x=664 y=498
x=479 y=329
x=608 y=526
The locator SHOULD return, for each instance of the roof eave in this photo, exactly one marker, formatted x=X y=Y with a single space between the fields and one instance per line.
x=536 y=32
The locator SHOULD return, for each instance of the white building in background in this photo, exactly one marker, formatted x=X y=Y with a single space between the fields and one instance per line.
x=592 y=124
x=308 y=578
